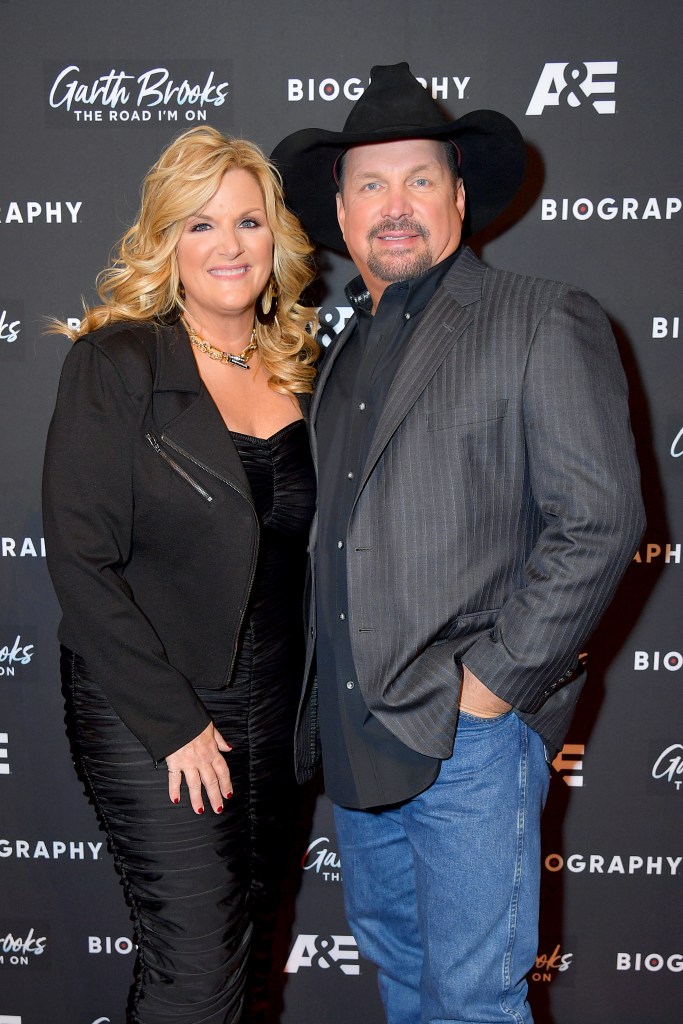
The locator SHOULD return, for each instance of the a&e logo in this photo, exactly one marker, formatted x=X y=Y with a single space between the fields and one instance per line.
x=575 y=83
x=324 y=951
x=569 y=763
x=333 y=320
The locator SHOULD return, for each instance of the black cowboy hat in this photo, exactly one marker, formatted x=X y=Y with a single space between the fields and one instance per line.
x=395 y=106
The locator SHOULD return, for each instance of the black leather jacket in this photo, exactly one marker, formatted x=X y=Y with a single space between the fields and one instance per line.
x=150 y=530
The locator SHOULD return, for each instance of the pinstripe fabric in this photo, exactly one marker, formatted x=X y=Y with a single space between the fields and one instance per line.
x=498 y=508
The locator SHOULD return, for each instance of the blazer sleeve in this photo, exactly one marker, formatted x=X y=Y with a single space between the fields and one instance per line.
x=88 y=508
x=585 y=482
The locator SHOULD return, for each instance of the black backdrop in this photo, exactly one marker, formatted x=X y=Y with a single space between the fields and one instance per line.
x=90 y=92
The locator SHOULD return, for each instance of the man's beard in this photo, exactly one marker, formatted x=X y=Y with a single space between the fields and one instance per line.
x=397 y=265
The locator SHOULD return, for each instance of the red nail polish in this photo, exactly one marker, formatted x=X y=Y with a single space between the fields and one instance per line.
x=219 y=810
x=200 y=810
x=176 y=799
x=228 y=796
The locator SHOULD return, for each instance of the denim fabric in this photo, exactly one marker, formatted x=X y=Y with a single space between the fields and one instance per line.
x=442 y=891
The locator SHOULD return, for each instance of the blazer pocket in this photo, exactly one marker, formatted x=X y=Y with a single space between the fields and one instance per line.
x=461 y=416
x=475 y=621
x=464 y=625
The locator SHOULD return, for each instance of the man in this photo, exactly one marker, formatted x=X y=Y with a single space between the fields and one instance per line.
x=479 y=502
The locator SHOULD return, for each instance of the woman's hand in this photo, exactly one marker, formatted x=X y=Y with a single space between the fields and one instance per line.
x=202 y=764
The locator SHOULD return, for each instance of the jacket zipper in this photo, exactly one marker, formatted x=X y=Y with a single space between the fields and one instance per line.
x=247 y=498
x=178 y=468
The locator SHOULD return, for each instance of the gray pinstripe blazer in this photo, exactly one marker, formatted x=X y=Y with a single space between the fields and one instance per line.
x=498 y=508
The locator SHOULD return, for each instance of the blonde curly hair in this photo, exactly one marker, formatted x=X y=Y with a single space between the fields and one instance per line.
x=142 y=282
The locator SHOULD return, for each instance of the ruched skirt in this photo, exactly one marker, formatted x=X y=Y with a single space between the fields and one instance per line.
x=202 y=888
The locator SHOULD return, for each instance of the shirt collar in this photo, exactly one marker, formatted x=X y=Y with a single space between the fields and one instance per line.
x=416 y=292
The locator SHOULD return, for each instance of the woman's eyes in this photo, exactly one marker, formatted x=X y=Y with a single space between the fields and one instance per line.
x=202 y=226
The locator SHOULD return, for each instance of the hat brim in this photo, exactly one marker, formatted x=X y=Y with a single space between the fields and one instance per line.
x=493 y=158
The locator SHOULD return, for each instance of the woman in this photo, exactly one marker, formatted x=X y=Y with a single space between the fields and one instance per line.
x=178 y=491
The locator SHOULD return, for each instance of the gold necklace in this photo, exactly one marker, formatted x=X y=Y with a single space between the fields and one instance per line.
x=227 y=358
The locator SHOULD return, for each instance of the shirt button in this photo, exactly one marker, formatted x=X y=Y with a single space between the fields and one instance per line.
x=361 y=406
x=342 y=616
x=340 y=543
x=406 y=316
x=350 y=684
x=349 y=476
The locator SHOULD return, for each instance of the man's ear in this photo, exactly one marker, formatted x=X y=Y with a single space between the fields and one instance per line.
x=341 y=212
x=460 y=198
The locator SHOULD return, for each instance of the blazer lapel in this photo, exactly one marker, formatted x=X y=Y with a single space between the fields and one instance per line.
x=446 y=317
x=328 y=362
x=304 y=400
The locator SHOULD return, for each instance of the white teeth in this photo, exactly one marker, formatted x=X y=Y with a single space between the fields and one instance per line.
x=229 y=272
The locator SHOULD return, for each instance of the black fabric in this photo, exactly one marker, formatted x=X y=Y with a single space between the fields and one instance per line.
x=364 y=764
x=199 y=884
x=144 y=494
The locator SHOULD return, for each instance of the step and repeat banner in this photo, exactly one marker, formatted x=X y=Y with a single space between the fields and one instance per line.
x=89 y=94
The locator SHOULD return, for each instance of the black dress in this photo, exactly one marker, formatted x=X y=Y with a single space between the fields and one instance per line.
x=202 y=887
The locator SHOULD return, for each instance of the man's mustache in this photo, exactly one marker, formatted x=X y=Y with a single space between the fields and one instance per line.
x=388 y=227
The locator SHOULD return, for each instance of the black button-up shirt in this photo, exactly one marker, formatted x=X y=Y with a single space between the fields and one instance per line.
x=365 y=765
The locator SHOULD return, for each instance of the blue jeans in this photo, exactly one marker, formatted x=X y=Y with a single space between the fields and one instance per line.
x=442 y=892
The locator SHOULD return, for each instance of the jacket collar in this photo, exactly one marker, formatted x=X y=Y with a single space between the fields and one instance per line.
x=176 y=369
x=187 y=414
x=463 y=283
x=443 y=322
x=328 y=360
